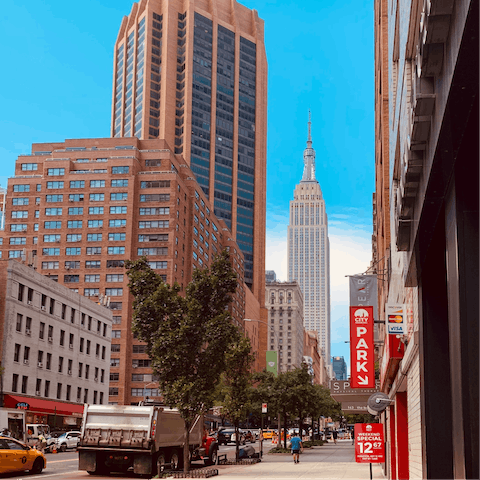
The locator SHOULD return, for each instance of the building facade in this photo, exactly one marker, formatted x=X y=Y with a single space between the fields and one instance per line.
x=285 y=323
x=89 y=205
x=270 y=276
x=195 y=74
x=339 y=368
x=309 y=250
x=54 y=349
x=427 y=191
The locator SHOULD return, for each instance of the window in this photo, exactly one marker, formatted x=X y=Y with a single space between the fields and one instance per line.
x=92 y=278
x=116 y=250
x=20 y=214
x=51 y=251
x=49 y=361
x=157 y=265
x=160 y=237
x=115 y=348
x=117 y=222
x=24 y=384
x=139 y=349
x=72 y=251
x=91 y=292
x=114 y=362
x=118 y=210
x=77 y=184
x=94 y=250
x=115 y=305
x=117 y=170
x=97 y=183
x=18 y=240
x=115 y=263
x=51 y=225
x=51 y=238
x=153 y=224
x=71 y=278
x=16 y=353
x=54 y=172
x=97 y=197
x=114 y=292
x=119 y=196
x=50 y=265
x=29 y=166
x=95 y=210
x=21 y=188
x=113 y=391
x=80 y=369
x=95 y=223
x=20 y=201
x=15 y=382
x=74 y=197
x=155 y=211
x=74 y=224
x=71 y=264
x=75 y=211
x=74 y=237
x=116 y=333
x=152 y=251
x=94 y=237
x=116 y=237
x=137 y=362
x=60 y=364
x=155 y=197
x=120 y=183
x=155 y=184
x=115 y=277
x=93 y=264
x=54 y=185
x=18 y=227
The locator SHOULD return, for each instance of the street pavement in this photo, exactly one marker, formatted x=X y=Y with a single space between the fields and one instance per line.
x=329 y=461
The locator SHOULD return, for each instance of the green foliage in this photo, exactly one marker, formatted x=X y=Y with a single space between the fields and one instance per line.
x=187 y=337
x=279 y=450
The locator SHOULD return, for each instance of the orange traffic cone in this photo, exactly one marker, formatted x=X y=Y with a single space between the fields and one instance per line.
x=54 y=449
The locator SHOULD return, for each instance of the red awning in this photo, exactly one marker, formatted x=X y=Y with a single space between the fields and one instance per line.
x=43 y=406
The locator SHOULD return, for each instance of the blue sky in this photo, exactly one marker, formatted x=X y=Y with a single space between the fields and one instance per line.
x=320 y=57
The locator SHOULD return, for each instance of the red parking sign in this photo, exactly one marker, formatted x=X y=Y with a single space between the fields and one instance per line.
x=369 y=443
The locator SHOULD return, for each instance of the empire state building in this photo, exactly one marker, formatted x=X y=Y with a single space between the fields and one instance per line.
x=309 y=251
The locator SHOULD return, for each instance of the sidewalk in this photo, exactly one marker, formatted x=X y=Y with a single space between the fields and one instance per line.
x=329 y=461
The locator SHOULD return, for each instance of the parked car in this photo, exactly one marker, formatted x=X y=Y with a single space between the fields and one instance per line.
x=228 y=436
x=68 y=440
x=15 y=456
x=268 y=434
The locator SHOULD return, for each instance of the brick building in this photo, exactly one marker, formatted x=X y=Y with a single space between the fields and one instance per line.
x=426 y=213
x=88 y=205
x=54 y=347
x=195 y=74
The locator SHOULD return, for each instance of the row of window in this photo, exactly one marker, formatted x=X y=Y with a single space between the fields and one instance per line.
x=97 y=396
x=74 y=251
x=61 y=171
x=119 y=222
x=77 y=237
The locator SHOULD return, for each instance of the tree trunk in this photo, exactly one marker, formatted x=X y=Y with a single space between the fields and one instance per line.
x=285 y=429
x=186 y=449
x=279 y=442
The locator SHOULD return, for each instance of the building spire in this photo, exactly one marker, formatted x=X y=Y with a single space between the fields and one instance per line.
x=309 y=155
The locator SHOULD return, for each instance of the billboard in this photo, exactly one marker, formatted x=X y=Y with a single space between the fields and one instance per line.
x=363 y=291
x=362 y=363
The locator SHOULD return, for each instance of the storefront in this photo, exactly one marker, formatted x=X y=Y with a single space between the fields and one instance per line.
x=58 y=415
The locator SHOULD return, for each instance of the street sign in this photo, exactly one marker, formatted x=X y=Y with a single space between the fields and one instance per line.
x=264 y=408
x=361 y=347
x=396 y=319
x=369 y=443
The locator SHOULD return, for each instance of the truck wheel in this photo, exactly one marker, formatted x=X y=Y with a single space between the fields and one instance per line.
x=160 y=463
x=175 y=461
x=212 y=458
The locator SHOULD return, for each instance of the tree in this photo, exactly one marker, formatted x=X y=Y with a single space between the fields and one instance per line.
x=187 y=337
x=237 y=382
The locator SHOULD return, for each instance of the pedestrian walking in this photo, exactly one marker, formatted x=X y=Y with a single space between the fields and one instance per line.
x=297 y=446
x=335 y=436
x=41 y=443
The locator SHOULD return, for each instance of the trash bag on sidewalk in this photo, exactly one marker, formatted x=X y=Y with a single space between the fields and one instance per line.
x=246 y=452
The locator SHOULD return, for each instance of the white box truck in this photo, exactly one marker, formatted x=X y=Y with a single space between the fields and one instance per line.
x=139 y=439
x=12 y=423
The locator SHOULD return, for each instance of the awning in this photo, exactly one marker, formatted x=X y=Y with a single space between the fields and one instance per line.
x=43 y=406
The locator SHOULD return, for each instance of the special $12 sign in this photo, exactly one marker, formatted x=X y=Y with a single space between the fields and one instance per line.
x=362 y=367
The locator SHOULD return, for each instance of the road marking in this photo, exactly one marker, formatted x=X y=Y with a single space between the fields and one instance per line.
x=50 y=475
x=61 y=461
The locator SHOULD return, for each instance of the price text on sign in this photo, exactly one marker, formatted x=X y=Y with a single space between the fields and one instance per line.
x=369 y=443
x=361 y=347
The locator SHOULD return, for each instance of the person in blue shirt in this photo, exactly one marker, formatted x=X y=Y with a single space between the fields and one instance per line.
x=296 y=444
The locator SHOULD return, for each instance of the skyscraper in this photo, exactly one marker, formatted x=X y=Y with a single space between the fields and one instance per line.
x=195 y=74
x=309 y=250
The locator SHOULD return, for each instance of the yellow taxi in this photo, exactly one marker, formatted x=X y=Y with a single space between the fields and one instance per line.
x=269 y=434
x=15 y=456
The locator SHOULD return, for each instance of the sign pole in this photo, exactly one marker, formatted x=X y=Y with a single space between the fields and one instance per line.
x=261 y=439
x=371 y=472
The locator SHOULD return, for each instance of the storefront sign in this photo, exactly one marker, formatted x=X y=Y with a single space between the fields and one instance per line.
x=362 y=366
x=22 y=406
x=363 y=291
x=369 y=443
x=396 y=319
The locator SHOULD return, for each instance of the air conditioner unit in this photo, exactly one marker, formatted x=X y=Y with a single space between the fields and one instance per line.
x=28 y=332
x=37 y=393
x=50 y=339
x=70 y=346
x=40 y=365
x=24 y=229
x=29 y=302
x=96 y=379
x=57 y=241
x=69 y=372
x=25 y=361
x=44 y=308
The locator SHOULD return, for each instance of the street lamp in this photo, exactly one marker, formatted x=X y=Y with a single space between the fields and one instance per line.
x=145 y=390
